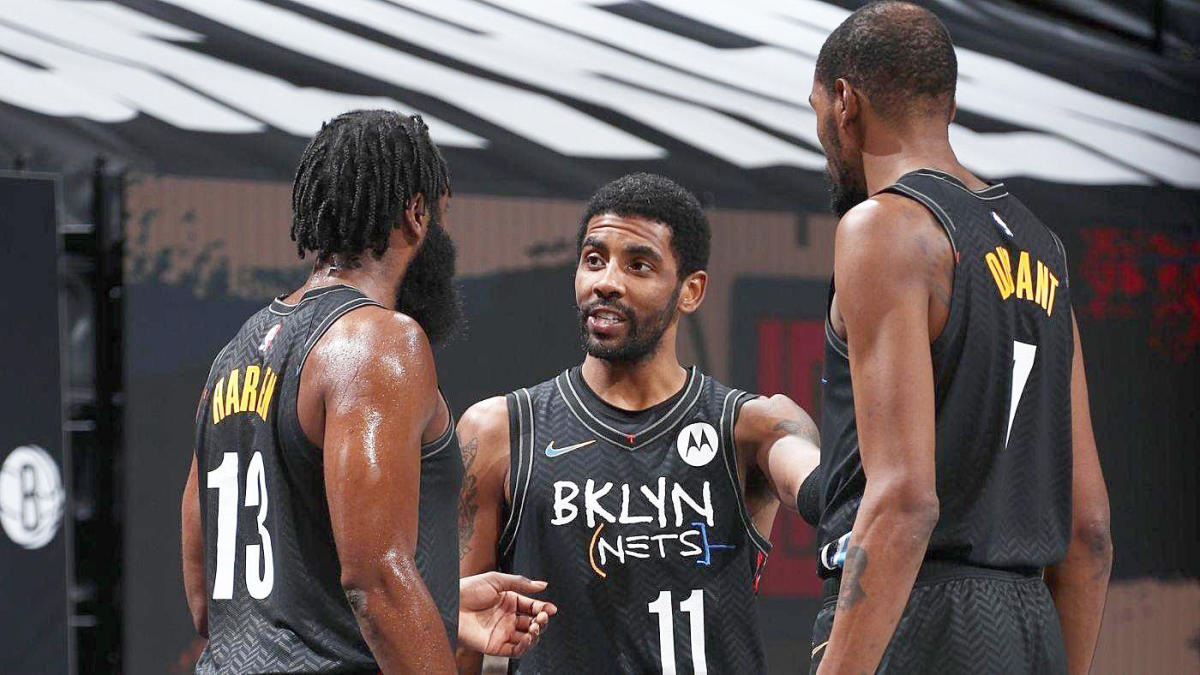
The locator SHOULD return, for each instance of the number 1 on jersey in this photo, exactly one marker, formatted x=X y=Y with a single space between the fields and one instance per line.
x=1023 y=354
x=694 y=608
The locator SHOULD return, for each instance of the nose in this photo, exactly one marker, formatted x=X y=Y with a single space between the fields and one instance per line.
x=610 y=284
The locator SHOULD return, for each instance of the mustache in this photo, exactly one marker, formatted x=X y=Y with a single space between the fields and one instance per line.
x=608 y=303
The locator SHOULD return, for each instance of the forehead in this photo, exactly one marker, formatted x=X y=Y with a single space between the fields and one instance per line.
x=614 y=230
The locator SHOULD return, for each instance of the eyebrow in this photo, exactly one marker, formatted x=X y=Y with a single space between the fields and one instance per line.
x=595 y=243
x=643 y=250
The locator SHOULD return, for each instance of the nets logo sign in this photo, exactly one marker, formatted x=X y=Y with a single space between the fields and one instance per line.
x=697 y=443
x=31 y=497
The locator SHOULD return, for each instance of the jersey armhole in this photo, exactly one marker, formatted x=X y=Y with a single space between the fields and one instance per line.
x=731 y=408
x=520 y=465
x=938 y=212
x=1062 y=250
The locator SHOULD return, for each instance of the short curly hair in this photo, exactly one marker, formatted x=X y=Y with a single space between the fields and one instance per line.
x=899 y=54
x=356 y=177
x=660 y=199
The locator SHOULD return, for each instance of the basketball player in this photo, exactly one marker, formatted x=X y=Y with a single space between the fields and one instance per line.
x=640 y=489
x=318 y=517
x=961 y=490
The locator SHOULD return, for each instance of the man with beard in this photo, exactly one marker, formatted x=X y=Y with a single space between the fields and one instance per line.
x=637 y=488
x=318 y=516
x=962 y=498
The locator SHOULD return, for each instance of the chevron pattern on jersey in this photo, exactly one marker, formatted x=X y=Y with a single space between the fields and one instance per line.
x=605 y=574
x=973 y=625
x=1005 y=495
x=303 y=622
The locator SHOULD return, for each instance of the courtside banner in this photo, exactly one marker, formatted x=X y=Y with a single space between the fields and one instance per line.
x=33 y=481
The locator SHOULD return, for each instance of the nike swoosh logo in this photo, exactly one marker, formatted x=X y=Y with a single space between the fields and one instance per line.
x=552 y=451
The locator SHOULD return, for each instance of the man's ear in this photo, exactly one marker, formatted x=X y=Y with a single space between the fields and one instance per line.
x=848 y=110
x=691 y=294
x=416 y=219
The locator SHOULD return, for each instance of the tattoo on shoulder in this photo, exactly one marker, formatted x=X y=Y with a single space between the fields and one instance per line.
x=468 y=503
x=852 y=591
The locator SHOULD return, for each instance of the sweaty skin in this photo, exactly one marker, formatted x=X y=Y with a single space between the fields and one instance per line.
x=629 y=260
x=368 y=398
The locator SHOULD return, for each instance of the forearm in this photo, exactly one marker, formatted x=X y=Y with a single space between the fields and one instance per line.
x=882 y=560
x=399 y=620
x=192 y=556
x=468 y=661
x=1079 y=586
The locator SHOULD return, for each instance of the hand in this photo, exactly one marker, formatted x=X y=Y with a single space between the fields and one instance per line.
x=495 y=618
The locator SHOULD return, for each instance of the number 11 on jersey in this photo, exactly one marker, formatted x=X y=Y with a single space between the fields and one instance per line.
x=694 y=608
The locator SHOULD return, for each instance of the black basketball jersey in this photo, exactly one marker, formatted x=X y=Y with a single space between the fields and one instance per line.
x=273 y=579
x=638 y=523
x=1002 y=373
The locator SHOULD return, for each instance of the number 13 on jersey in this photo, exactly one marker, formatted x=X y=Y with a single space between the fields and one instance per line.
x=224 y=479
x=693 y=606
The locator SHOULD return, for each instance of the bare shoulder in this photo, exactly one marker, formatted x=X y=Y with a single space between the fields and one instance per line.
x=486 y=424
x=373 y=344
x=888 y=239
x=769 y=417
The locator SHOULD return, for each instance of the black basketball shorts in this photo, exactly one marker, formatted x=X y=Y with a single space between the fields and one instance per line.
x=962 y=619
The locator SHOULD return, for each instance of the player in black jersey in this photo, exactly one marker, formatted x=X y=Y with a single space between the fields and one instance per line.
x=961 y=495
x=638 y=488
x=318 y=516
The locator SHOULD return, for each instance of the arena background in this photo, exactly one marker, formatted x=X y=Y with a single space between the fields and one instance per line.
x=170 y=130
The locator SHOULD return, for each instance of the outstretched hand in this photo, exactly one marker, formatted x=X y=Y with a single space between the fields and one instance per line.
x=495 y=617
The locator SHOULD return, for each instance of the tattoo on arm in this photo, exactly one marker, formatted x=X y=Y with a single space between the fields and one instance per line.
x=852 y=591
x=468 y=503
x=802 y=428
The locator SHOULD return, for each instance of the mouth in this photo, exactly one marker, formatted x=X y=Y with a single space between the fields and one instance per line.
x=603 y=320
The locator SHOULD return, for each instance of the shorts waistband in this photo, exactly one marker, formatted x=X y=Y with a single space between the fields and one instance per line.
x=934 y=571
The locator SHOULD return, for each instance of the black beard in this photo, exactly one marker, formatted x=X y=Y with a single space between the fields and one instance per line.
x=428 y=293
x=844 y=194
x=640 y=340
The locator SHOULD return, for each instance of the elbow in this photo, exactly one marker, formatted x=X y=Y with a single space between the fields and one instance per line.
x=1093 y=536
x=368 y=585
x=912 y=509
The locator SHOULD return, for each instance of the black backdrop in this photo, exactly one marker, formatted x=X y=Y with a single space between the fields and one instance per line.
x=34 y=547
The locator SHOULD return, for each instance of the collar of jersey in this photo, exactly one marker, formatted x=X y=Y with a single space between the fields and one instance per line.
x=278 y=306
x=643 y=436
x=992 y=191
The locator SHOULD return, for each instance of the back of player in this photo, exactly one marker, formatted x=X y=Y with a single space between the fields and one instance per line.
x=1002 y=374
x=637 y=522
x=271 y=567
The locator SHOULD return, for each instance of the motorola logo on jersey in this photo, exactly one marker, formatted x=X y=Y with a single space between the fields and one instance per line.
x=31 y=496
x=697 y=443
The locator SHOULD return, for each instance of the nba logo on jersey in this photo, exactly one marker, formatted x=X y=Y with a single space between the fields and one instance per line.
x=697 y=443
x=269 y=338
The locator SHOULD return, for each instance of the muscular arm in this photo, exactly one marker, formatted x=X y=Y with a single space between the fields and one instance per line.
x=1079 y=584
x=379 y=388
x=483 y=431
x=885 y=260
x=193 y=554
x=781 y=439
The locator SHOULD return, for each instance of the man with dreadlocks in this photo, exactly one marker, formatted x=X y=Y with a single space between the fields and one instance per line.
x=319 y=514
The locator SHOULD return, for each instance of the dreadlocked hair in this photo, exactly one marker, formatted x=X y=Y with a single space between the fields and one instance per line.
x=356 y=178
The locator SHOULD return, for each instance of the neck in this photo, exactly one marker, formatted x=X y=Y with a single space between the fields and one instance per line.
x=639 y=385
x=377 y=279
x=892 y=154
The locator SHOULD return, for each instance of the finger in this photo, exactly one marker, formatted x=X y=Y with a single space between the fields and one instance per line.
x=527 y=605
x=516 y=582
